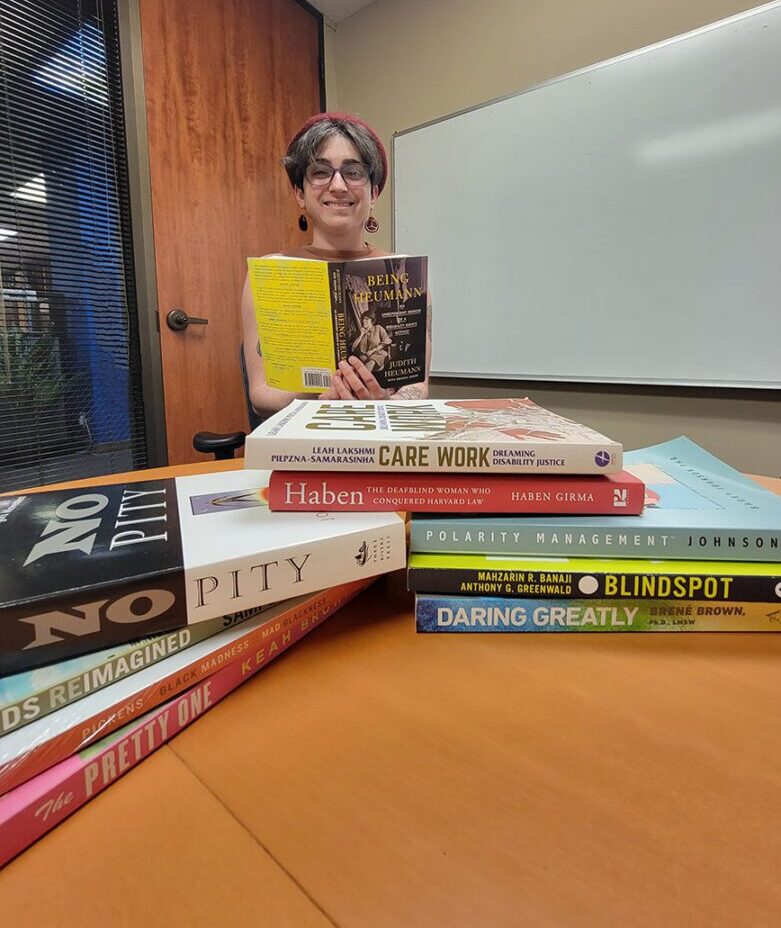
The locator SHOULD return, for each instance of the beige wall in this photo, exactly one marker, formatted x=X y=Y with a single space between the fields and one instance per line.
x=403 y=62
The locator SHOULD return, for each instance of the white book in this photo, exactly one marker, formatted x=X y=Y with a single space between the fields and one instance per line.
x=96 y=566
x=506 y=436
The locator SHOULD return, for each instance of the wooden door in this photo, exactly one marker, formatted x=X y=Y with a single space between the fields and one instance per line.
x=226 y=85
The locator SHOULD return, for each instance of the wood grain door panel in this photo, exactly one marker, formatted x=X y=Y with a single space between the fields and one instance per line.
x=226 y=85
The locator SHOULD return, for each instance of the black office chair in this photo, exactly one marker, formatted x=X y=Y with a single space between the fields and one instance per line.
x=225 y=445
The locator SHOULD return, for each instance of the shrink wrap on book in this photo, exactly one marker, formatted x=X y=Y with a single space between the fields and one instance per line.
x=41 y=803
x=31 y=694
x=27 y=751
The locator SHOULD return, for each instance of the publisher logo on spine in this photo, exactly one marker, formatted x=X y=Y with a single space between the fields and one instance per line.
x=602 y=458
x=375 y=551
x=620 y=500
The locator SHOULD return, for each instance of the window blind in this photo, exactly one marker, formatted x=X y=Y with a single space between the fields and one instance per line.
x=70 y=367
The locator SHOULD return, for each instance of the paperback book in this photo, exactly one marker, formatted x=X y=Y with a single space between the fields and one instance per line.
x=507 y=436
x=32 y=694
x=595 y=578
x=304 y=491
x=85 y=569
x=700 y=508
x=311 y=314
x=28 y=751
x=38 y=805
x=440 y=613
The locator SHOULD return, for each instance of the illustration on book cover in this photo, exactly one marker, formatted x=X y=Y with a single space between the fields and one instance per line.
x=490 y=420
x=386 y=306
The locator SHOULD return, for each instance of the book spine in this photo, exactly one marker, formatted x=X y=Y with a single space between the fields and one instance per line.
x=301 y=491
x=584 y=586
x=37 y=806
x=62 y=742
x=338 y=300
x=303 y=568
x=102 y=672
x=448 y=614
x=323 y=452
x=489 y=536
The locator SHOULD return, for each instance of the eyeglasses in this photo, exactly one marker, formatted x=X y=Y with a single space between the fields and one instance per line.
x=320 y=173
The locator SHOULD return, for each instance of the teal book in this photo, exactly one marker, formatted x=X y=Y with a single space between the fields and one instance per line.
x=697 y=508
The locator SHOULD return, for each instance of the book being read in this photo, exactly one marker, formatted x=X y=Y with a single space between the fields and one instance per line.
x=312 y=314
x=504 y=436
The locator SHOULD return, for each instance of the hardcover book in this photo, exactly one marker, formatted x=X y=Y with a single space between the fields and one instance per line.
x=303 y=491
x=38 y=805
x=506 y=436
x=439 y=613
x=311 y=314
x=700 y=509
x=28 y=751
x=84 y=569
x=596 y=578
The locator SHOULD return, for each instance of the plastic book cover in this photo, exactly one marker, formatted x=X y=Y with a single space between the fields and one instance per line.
x=497 y=614
x=703 y=509
x=31 y=694
x=39 y=804
x=91 y=567
x=27 y=751
x=312 y=313
x=509 y=436
x=340 y=491
x=595 y=578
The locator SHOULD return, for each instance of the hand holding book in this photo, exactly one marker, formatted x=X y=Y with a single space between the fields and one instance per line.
x=355 y=329
x=354 y=380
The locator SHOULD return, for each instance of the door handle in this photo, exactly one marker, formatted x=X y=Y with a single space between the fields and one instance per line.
x=178 y=320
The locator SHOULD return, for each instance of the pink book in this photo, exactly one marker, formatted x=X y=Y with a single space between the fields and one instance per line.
x=37 y=806
x=41 y=744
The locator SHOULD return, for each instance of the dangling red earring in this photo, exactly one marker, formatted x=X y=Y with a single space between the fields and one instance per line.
x=372 y=224
x=303 y=225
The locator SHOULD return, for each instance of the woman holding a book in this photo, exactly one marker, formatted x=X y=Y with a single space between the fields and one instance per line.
x=337 y=168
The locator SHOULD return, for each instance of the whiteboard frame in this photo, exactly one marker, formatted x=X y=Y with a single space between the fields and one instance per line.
x=607 y=380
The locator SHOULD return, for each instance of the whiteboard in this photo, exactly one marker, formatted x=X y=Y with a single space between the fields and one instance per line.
x=619 y=224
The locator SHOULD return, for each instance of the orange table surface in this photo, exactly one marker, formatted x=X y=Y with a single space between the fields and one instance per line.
x=375 y=777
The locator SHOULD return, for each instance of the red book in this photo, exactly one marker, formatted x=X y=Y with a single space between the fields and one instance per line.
x=353 y=491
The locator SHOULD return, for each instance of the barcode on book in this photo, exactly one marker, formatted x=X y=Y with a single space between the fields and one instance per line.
x=316 y=377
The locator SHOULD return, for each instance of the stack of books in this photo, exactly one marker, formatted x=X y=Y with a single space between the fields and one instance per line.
x=702 y=556
x=525 y=521
x=128 y=610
